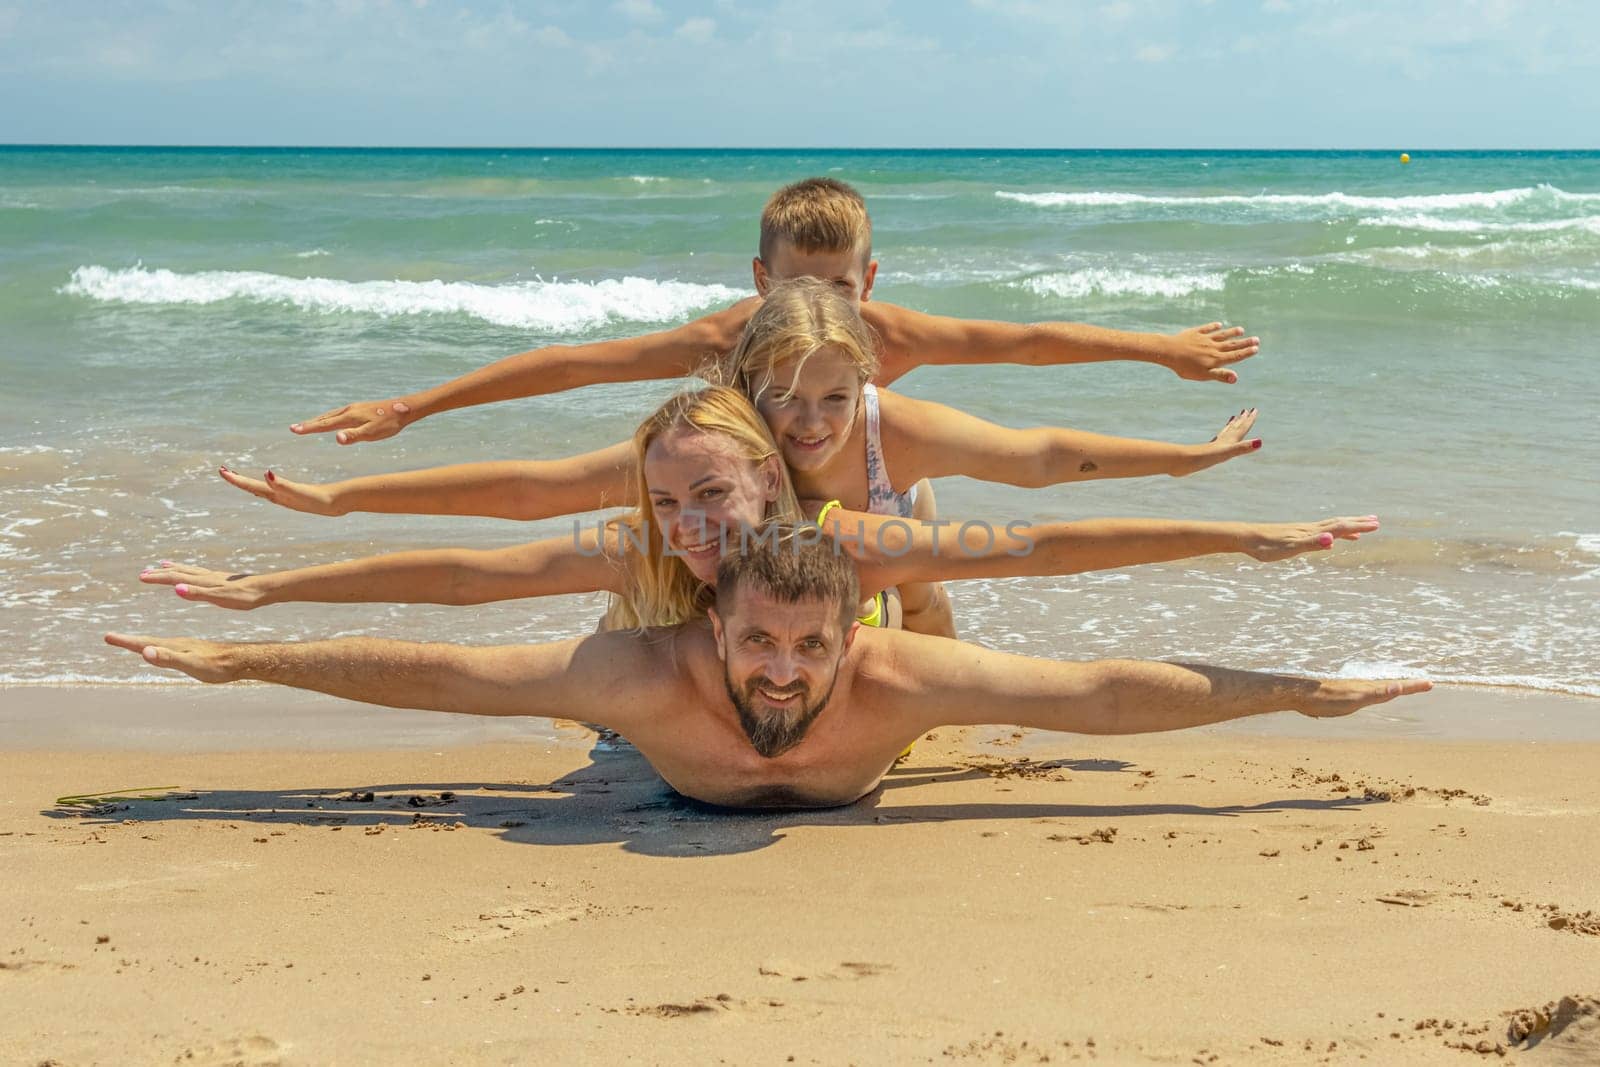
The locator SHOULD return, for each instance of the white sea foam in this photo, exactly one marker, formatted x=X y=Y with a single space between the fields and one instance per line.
x=646 y=179
x=1584 y=224
x=1498 y=198
x=1105 y=282
x=1393 y=669
x=314 y=253
x=556 y=307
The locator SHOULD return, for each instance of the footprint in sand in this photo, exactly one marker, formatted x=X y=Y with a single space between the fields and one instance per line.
x=252 y=1050
x=850 y=970
x=703 y=1006
x=508 y=922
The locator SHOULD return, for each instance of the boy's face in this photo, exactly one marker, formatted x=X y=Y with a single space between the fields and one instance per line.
x=847 y=271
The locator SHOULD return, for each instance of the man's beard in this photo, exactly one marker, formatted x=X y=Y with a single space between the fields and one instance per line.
x=780 y=729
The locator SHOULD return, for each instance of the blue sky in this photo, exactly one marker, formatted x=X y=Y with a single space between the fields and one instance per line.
x=993 y=73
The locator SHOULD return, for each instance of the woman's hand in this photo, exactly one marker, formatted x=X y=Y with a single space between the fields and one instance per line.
x=296 y=496
x=241 y=592
x=1283 y=540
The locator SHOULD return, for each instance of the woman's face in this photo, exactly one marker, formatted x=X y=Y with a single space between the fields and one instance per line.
x=811 y=413
x=703 y=492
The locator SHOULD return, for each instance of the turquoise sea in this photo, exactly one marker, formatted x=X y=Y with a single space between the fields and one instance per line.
x=1429 y=330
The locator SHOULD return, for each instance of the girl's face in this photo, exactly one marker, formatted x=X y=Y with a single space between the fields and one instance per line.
x=812 y=413
x=703 y=492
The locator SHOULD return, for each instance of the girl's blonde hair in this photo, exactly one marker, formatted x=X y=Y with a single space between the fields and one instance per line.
x=796 y=320
x=662 y=591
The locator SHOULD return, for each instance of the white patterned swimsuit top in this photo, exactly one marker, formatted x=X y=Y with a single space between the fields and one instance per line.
x=881 y=497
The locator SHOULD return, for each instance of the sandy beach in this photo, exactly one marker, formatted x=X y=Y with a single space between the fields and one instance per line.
x=352 y=886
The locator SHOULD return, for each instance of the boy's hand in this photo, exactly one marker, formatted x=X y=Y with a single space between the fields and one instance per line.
x=364 y=421
x=1283 y=540
x=1206 y=353
x=206 y=660
x=296 y=496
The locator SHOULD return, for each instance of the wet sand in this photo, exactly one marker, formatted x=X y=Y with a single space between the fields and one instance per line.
x=509 y=896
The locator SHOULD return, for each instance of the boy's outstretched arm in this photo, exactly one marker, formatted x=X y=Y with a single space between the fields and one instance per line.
x=956 y=684
x=576 y=677
x=912 y=339
x=552 y=369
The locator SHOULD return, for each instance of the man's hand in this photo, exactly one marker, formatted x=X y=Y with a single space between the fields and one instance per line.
x=207 y=587
x=1337 y=696
x=364 y=421
x=296 y=496
x=209 y=661
x=1207 y=353
x=1283 y=540
x=1229 y=442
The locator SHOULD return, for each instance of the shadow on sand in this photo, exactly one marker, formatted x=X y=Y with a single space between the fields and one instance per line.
x=619 y=799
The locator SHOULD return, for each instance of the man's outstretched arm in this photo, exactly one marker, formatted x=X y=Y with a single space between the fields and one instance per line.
x=552 y=369
x=912 y=339
x=570 y=679
x=964 y=685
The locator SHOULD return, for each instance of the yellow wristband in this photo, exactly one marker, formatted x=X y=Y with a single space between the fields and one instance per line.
x=829 y=506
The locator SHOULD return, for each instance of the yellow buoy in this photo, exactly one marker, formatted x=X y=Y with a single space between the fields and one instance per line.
x=1405 y=157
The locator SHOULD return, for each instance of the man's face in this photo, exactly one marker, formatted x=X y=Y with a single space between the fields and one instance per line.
x=847 y=271
x=780 y=662
x=702 y=491
x=810 y=407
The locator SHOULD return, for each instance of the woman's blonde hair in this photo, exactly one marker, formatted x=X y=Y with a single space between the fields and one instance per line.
x=662 y=591
x=796 y=320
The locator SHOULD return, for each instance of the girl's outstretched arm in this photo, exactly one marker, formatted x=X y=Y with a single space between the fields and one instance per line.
x=927 y=440
x=510 y=489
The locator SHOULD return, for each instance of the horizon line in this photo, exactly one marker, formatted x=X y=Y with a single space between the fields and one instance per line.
x=769 y=148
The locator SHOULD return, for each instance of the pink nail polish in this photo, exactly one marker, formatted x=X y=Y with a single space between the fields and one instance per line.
x=1325 y=540
x=272 y=478
x=181 y=589
x=1256 y=443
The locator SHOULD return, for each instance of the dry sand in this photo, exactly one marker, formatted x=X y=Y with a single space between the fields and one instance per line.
x=1207 y=897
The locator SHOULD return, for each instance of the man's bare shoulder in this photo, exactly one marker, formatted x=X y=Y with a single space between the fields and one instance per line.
x=891 y=662
x=658 y=658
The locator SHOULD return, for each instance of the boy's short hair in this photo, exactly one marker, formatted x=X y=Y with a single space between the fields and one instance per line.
x=790 y=563
x=817 y=215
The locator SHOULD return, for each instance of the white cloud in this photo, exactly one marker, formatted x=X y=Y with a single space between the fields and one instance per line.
x=1155 y=53
x=697 y=31
x=1117 y=11
x=638 y=10
x=552 y=37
